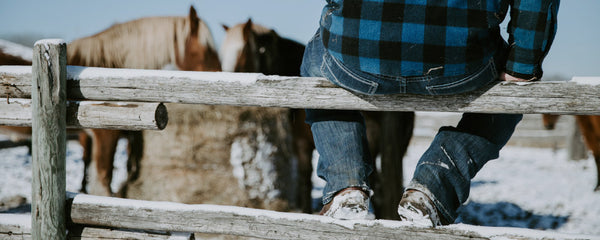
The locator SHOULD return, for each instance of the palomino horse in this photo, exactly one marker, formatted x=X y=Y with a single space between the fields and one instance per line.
x=590 y=130
x=185 y=43
x=249 y=47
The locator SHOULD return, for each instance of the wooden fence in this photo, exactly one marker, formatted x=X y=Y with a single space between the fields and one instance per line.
x=50 y=96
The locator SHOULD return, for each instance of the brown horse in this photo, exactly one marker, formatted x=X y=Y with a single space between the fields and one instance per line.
x=590 y=130
x=249 y=47
x=184 y=43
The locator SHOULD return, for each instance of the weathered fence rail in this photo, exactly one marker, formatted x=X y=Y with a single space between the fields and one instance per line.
x=579 y=96
x=18 y=227
x=166 y=216
x=53 y=106
x=120 y=217
x=92 y=114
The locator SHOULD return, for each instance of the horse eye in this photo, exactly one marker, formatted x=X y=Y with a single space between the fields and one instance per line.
x=262 y=50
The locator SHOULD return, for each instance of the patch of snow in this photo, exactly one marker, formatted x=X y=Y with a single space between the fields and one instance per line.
x=22 y=220
x=79 y=73
x=254 y=166
x=594 y=81
x=516 y=83
x=16 y=70
x=526 y=185
x=17 y=50
x=15 y=165
x=48 y=42
x=498 y=233
x=277 y=77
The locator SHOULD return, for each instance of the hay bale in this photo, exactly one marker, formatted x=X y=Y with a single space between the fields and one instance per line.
x=219 y=155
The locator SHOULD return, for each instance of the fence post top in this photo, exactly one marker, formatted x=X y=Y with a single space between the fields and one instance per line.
x=51 y=41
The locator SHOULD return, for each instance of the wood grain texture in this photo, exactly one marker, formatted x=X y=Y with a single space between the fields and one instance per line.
x=93 y=114
x=20 y=229
x=49 y=105
x=296 y=92
x=168 y=216
x=165 y=216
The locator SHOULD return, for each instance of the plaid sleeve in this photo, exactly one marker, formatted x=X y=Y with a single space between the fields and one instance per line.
x=531 y=31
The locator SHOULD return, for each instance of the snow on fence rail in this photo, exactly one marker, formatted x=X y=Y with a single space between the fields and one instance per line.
x=49 y=82
x=117 y=215
x=579 y=96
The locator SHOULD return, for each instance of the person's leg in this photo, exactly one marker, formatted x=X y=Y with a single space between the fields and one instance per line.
x=456 y=154
x=340 y=138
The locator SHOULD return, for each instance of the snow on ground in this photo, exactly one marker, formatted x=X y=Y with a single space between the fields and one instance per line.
x=526 y=187
x=15 y=165
x=532 y=188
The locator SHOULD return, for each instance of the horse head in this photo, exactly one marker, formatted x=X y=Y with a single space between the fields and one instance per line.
x=200 y=53
x=250 y=47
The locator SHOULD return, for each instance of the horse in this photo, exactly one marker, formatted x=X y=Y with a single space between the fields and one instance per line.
x=249 y=47
x=590 y=130
x=180 y=42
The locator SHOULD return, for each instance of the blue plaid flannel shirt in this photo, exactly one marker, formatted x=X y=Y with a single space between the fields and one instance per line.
x=412 y=37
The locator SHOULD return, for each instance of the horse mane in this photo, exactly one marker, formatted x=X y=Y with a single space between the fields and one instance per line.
x=146 y=43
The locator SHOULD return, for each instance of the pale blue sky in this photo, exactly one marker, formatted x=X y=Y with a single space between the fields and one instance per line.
x=576 y=50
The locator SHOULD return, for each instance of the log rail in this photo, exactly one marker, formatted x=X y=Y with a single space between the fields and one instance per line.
x=578 y=96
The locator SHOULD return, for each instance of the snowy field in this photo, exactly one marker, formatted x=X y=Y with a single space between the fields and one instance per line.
x=526 y=187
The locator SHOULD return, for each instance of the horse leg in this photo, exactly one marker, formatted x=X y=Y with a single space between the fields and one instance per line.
x=103 y=152
x=86 y=143
x=390 y=134
x=549 y=121
x=374 y=134
x=135 y=148
x=303 y=148
x=596 y=148
x=590 y=130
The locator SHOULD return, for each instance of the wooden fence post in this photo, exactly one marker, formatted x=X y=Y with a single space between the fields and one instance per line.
x=49 y=97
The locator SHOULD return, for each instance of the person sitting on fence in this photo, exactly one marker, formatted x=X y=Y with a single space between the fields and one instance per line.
x=420 y=47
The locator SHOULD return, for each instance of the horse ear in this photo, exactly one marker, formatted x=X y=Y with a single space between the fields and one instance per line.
x=225 y=27
x=194 y=20
x=248 y=28
x=193 y=12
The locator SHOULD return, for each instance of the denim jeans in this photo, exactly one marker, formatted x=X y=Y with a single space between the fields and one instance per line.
x=445 y=170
